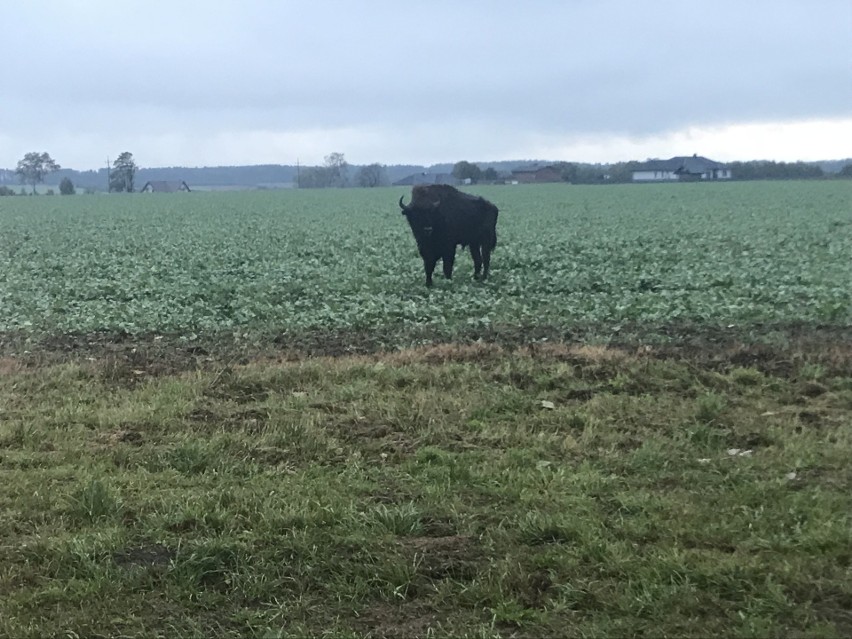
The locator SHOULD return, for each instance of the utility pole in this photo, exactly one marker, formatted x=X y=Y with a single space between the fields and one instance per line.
x=108 y=180
x=298 y=175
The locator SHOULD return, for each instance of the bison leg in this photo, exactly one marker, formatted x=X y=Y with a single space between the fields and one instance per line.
x=429 y=267
x=477 y=260
x=486 y=261
x=449 y=259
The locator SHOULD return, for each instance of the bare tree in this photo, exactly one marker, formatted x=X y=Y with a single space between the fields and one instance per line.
x=333 y=172
x=372 y=175
x=338 y=170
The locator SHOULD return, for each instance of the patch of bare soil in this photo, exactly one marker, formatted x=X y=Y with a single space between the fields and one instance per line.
x=127 y=360
x=150 y=555
x=394 y=492
x=401 y=621
x=381 y=440
x=10 y=365
x=128 y=435
x=448 y=557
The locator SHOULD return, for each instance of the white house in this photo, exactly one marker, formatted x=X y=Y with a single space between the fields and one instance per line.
x=692 y=167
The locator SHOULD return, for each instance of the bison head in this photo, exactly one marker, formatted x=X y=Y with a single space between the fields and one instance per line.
x=416 y=207
x=421 y=217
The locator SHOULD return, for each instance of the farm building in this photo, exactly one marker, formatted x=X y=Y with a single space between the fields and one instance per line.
x=165 y=186
x=693 y=167
x=427 y=178
x=536 y=174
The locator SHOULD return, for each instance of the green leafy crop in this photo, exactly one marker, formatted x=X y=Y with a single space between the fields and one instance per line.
x=745 y=254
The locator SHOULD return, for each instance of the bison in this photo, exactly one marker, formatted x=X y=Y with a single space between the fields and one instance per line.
x=441 y=218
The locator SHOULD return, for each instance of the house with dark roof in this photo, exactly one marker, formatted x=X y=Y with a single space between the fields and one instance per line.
x=536 y=174
x=165 y=186
x=428 y=178
x=693 y=167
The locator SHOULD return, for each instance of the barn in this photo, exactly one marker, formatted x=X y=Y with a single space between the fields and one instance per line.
x=536 y=174
x=165 y=186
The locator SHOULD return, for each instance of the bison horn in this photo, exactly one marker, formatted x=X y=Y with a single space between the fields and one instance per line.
x=401 y=205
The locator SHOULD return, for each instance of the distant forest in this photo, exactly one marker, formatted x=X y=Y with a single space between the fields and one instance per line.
x=273 y=176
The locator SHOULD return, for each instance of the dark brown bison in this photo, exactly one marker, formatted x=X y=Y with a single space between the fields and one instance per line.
x=441 y=218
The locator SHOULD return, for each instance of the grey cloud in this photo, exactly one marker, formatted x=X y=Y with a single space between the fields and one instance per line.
x=536 y=68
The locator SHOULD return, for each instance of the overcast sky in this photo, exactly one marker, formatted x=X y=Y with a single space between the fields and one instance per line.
x=219 y=82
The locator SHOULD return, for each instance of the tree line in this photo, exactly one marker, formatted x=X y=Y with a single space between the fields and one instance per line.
x=336 y=172
x=622 y=172
x=35 y=167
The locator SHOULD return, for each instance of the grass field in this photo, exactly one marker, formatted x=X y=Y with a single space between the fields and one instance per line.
x=243 y=414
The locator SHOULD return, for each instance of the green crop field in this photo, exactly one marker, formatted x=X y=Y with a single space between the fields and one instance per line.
x=244 y=415
x=568 y=257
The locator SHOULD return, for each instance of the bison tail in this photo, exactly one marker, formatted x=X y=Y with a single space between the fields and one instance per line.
x=492 y=243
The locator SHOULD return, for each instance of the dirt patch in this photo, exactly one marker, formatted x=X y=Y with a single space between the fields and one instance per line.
x=393 y=492
x=203 y=416
x=10 y=365
x=127 y=434
x=281 y=458
x=812 y=389
x=450 y=557
x=116 y=358
x=831 y=349
x=230 y=386
x=440 y=527
x=536 y=589
x=388 y=621
x=124 y=359
x=582 y=354
x=358 y=429
x=446 y=352
x=397 y=446
x=380 y=440
x=582 y=394
x=151 y=555
x=811 y=418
